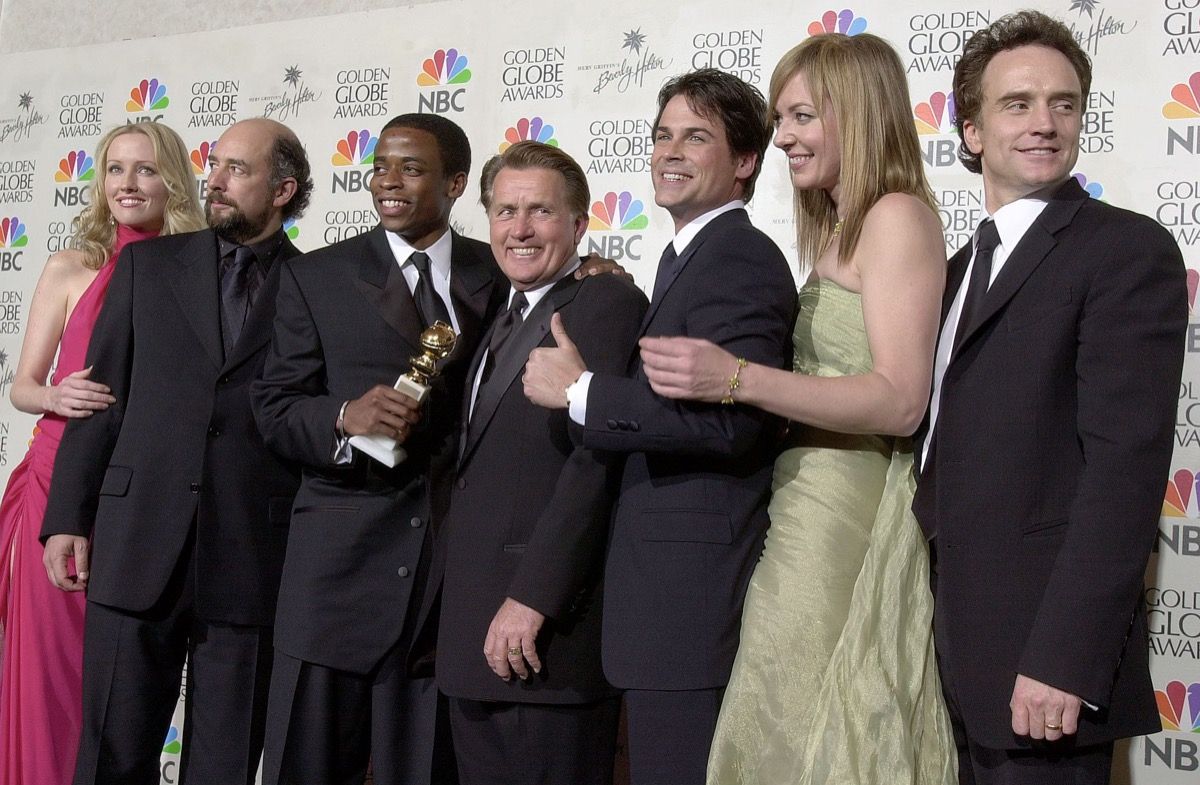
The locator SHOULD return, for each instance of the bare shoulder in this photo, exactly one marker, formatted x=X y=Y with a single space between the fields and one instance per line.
x=66 y=264
x=897 y=212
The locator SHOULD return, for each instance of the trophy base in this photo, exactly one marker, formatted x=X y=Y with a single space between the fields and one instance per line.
x=383 y=448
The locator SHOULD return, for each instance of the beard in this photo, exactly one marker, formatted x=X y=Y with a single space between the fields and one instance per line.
x=236 y=227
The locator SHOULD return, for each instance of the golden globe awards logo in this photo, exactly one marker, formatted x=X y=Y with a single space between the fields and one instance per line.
x=213 y=103
x=16 y=180
x=362 y=92
x=1173 y=617
x=737 y=52
x=1097 y=133
x=1182 y=27
x=11 y=318
x=344 y=224
x=619 y=145
x=533 y=74
x=1178 y=210
x=959 y=210
x=936 y=40
x=79 y=115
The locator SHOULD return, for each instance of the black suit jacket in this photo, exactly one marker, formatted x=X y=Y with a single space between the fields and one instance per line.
x=358 y=556
x=692 y=511
x=530 y=509
x=1052 y=442
x=179 y=445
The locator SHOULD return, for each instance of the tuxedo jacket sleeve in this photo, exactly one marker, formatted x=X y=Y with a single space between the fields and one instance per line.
x=1127 y=367
x=88 y=443
x=741 y=296
x=562 y=550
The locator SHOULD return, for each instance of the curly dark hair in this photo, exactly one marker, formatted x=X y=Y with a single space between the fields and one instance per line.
x=288 y=159
x=1022 y=28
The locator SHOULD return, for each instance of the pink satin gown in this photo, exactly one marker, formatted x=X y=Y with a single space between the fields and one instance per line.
x=41 y=667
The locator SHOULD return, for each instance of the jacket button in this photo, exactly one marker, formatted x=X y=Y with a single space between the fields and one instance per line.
x=633 y=426
x=195 y=487
x=213 y=431
x=402 y=572
x=415 y=523
x=612 y=425
x=623 y=425
x=224 y=380
x=461 y=483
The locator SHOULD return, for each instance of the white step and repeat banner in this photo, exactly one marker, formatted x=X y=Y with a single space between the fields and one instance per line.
x=585 y=78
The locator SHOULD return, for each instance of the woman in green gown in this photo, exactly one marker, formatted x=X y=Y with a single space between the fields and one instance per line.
x=835 y=679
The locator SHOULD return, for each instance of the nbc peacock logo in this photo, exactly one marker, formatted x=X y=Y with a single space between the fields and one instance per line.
x=1181 y=488
x=290 y=229
x=172 y=744
x=935 y=120
x=615 y=226
x=1093 y=188
x=1179 y=706
x=618 y=212
x=149 y=95
x=76 y=167
x=356 y=149
x=12 y=233
x=529 y=129
x=447 y=71
x=1184 y=105
x=199 y=156
x=844 y=21
x=936 y=115
x=444 y=67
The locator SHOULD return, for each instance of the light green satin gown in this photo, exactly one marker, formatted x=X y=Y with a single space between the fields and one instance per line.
x=835 y=679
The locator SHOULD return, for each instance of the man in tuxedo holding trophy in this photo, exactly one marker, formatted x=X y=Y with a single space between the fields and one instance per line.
x=352 y=318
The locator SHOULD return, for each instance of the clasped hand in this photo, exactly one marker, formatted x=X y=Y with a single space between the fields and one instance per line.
x=690 y=368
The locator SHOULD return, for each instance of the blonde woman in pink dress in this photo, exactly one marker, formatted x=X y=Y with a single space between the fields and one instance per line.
x=143 y=187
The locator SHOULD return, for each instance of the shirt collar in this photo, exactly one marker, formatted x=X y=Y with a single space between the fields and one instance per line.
x=439 y=252
x=534 y=296
x=265 y=251
x=688 y=233
x=1014 y=219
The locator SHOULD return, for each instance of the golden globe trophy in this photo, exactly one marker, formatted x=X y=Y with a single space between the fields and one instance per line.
x=438 y=342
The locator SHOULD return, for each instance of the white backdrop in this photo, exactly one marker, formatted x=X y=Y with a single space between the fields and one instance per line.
x=586 y=77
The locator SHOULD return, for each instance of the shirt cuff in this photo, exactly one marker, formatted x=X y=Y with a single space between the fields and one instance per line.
x=577 y=395
x=343 y=453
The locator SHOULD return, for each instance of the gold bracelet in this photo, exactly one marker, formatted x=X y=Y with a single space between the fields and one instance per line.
x=734 y=381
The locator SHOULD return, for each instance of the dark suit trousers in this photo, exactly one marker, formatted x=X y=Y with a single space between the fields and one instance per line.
x=132 y=664
x=325 y=724
x=502 y=743
x=670 y=732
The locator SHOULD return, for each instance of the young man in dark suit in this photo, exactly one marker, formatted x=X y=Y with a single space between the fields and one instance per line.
x=521 y=553
x=348 y=323
x=186 y=508
x=1049 y=435
x=692 y=510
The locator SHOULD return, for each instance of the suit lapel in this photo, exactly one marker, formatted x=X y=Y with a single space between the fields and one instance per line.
x=1031 y=251
x=471 y=285
x=711 y=228
x=260 y=320
x=381 y=283
x=196 y=290
x=528 y=337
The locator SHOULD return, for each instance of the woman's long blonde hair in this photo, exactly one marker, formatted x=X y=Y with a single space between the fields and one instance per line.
x=94 y=231
x=863 y=79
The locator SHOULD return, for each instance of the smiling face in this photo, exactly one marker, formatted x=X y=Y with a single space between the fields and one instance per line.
x=533 y=229
x=1027 y=132
x=134 y=189
x=412 y=193
x=809 y=140
x=693 y=168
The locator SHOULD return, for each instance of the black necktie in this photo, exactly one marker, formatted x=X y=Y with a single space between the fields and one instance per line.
x=236 y=293
x=666 y=271
x=981 y=275
x=506 y=325
x=430 y=304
